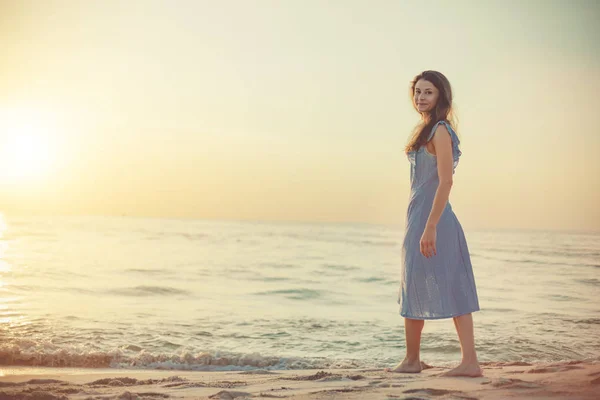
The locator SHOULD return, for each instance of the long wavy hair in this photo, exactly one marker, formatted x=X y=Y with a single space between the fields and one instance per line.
x=443 y=110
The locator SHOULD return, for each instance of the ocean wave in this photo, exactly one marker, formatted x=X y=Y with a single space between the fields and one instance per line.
x=589 y=281
x=339 y=267
x=19 y=353
x=150 y=271
x=295 y=294
x=139 y=291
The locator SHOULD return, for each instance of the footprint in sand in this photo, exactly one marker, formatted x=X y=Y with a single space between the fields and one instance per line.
x=228 y=395
x=560 y=368
x=432 y=392
x=512 y=383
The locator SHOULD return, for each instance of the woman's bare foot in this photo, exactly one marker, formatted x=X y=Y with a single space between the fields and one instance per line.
x=472 y=370
x=406 y=367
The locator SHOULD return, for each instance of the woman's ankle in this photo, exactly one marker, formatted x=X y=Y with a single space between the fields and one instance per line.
x=469 y=360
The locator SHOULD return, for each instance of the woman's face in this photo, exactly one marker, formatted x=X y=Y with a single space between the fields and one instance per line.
x=425 y=96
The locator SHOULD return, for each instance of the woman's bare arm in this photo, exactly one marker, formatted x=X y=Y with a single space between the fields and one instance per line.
x=443 y=150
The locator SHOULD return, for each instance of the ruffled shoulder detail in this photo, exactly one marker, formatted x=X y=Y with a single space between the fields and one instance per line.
x=456 y=153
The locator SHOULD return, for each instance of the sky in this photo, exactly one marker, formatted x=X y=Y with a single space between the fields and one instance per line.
x=296 y=110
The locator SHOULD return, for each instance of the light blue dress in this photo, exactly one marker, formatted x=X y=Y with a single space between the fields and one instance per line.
x=442 y=286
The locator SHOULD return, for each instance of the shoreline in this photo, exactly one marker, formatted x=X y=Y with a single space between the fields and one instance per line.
x=500 y=380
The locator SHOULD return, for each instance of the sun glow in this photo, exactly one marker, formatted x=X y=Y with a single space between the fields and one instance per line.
x=26 y=147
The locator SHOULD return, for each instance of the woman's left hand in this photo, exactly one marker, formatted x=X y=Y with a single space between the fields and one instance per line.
x=428 y=241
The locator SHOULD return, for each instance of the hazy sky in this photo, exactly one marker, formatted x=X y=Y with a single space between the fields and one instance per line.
x=296 y=110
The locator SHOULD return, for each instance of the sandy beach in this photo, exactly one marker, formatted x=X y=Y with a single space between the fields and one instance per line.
x=565 y=380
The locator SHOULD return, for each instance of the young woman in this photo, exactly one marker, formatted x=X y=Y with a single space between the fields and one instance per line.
x=436 y=274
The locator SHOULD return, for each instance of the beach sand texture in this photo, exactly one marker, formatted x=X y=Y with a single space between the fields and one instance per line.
x=562 y=380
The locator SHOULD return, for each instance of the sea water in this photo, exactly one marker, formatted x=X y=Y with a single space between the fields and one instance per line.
x=127 y=292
